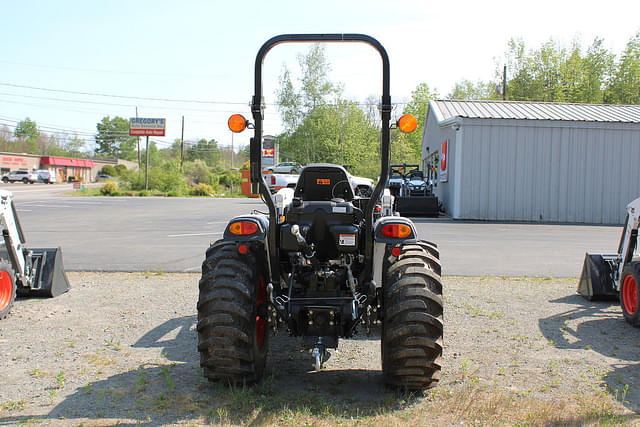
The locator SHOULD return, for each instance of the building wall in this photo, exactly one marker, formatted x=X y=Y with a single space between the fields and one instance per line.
x=14 y=161
x=432 y=139
x=549 y=171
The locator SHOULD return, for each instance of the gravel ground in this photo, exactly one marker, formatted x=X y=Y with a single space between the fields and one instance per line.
x=122 y=348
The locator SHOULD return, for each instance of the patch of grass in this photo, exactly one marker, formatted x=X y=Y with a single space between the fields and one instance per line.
x=30 y=420
x=12 y=405
x=99 y=361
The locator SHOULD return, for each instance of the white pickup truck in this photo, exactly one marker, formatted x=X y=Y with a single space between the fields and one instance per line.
x=363 y=187
x=276 y=181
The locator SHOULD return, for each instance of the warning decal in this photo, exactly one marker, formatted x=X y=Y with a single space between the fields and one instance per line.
x=347 y=240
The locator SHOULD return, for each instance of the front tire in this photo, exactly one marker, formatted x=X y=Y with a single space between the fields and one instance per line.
x=5 y=180
x=233 y=336
x=7 y=288
x=25 y=180
x=412 y=319
x=629 y=292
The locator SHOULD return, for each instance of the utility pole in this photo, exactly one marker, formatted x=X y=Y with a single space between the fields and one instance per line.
x=146 y=168
x=504 y=84
x=231 y=150
x=182 y=144
x=138 y=138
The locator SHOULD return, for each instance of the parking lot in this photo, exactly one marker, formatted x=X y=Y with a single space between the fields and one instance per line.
x=172 y=234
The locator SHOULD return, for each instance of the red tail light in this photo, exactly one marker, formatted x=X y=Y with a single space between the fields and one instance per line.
x=273 y=180
x=243 y=228
x=397 y=231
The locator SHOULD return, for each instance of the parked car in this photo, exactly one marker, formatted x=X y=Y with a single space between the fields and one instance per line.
x=28 y=177
x=103 y=177
x=46 y=176
x=286 y=167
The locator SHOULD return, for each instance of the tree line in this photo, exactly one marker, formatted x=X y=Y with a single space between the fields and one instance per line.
x=321 y=125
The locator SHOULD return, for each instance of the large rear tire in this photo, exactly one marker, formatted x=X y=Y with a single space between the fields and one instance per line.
x=629 y=292
x=233 y=336
x=412 y=319
x=7 y=288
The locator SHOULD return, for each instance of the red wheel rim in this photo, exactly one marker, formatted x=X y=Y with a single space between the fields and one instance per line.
x=630 y=294
x=6 y=289
x=261 y=321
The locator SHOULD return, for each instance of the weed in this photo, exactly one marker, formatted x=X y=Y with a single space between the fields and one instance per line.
x=87 y=388
x=114 y=345
x=141 y=382
x=38 y=373
x=587 y=347
x=52 y=395
x=60 y=379
x=165 y=373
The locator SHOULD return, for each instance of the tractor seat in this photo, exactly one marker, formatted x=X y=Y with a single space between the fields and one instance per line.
x=324 y=182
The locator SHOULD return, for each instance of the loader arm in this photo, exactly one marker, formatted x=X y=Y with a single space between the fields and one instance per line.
x=628 y=240
x=14 y=238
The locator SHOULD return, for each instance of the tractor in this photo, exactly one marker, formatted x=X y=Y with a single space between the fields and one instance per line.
x=322 y=263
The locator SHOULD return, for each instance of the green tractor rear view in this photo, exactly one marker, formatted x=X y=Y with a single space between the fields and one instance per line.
x=323 y=262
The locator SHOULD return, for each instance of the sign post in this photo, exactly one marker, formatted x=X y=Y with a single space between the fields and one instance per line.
x=140 y=126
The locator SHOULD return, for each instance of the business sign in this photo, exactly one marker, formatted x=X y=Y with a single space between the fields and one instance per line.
x=139 y=126
x=267 y=152
x=444 y=161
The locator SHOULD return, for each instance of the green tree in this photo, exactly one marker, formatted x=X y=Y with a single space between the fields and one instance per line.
x=204 y=150
x=625 y=86
x=113 y=139
x=468 y=90
x=315 y=88
x=27 y=133
x=27 y=128
x=597 y=68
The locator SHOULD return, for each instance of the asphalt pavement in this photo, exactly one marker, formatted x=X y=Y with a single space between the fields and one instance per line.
x=172 y=235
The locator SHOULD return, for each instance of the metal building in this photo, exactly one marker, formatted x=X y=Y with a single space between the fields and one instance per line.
x=532 y=161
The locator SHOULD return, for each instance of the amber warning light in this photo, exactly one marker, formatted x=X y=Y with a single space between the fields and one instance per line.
x=237 y=123
x=407 y=123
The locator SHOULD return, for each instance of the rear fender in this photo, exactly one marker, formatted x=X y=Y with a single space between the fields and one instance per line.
x=382 y=242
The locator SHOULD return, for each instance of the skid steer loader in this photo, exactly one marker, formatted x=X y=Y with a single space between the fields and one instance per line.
x=413 y=195
x=321 y=263
x=24 y=271
x=616 y=276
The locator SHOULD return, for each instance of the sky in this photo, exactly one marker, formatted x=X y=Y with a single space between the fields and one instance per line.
x=68 y=64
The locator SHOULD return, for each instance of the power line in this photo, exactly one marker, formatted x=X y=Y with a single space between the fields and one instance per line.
x=77 y=101
x=195 y=101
